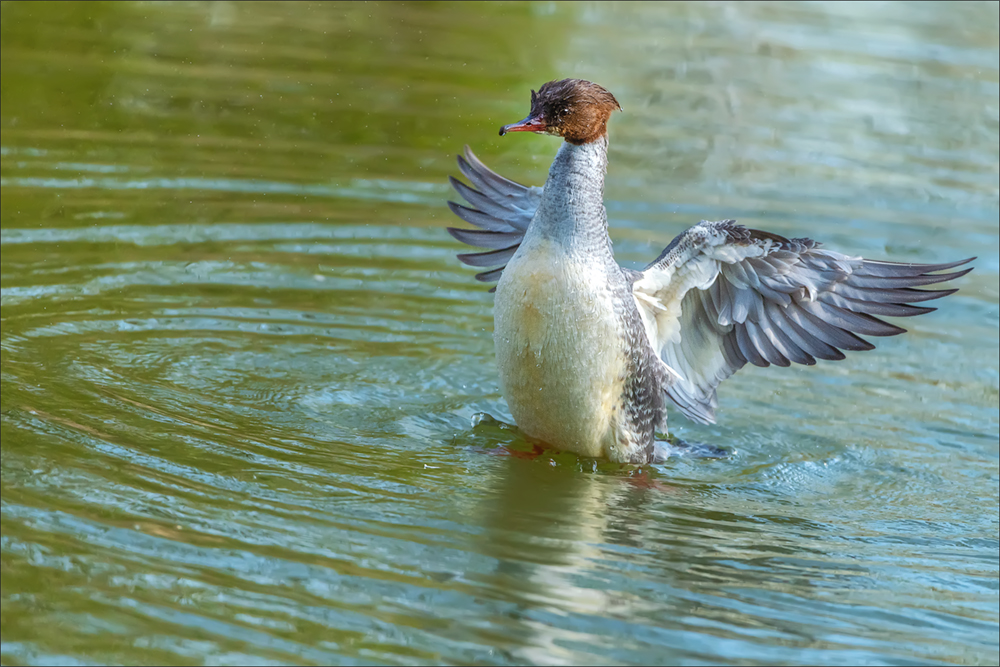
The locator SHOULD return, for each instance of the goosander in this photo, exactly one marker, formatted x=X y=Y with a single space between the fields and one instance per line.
x=588 y=352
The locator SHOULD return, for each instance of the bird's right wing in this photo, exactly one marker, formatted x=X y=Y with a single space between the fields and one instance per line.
x=502 y=211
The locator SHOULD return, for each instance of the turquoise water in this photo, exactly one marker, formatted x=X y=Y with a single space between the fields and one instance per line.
x=242 y=366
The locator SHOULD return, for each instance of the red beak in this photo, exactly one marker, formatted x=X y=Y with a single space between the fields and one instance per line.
x=529 y=124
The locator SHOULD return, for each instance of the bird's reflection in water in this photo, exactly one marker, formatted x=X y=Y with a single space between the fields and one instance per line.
x=580 y=547
x=549 y=520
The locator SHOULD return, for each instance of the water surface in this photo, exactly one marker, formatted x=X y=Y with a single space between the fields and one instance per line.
x=241 y=364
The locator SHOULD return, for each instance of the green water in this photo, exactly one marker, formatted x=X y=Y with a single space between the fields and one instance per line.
x=241 y=363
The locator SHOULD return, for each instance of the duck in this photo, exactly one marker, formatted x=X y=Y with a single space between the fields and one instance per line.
x=590 y=354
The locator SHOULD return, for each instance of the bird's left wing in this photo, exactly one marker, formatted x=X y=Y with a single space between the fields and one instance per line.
x=721 y=295
x=502 y=210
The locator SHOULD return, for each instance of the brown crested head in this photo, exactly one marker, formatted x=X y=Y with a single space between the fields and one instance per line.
x=574 y=109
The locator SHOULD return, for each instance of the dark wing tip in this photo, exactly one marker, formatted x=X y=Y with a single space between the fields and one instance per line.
x=955 y=274
x=883 y=328
x=498 y=257
x=490 y=276
x=455 y=232
x=881 y=269
x=462 y=212
x=475 y=259
x=919 y=295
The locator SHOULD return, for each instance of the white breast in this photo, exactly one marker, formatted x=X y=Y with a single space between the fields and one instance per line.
x=560 y=350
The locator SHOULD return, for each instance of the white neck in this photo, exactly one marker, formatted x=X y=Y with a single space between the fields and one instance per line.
x=572 y=208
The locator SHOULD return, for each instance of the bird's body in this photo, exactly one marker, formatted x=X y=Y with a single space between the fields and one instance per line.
x=571 y=347
x=588 y=352
x=547 y=311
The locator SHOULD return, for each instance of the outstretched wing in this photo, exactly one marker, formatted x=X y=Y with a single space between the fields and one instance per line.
x=721 y=295
x=502 y=211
